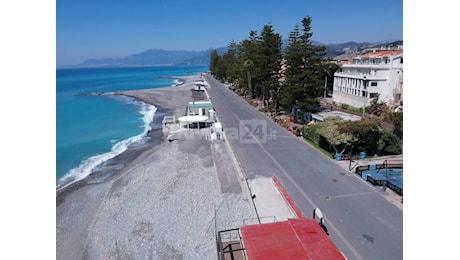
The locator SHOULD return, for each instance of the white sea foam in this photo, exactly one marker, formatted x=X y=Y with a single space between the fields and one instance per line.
x=148 y=111
x=88 y=165
x=177 y=82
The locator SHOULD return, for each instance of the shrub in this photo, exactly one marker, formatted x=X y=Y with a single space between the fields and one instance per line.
x=389 y=144
x=285 y=124
x=311 y=133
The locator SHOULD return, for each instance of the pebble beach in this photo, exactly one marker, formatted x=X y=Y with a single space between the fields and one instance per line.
x=164 y=203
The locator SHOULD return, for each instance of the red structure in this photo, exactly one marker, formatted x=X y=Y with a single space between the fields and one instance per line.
x=291 y=239
x=295 y=238
x=286 y=197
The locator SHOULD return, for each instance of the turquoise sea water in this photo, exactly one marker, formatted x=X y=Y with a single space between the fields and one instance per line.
x=91 y=129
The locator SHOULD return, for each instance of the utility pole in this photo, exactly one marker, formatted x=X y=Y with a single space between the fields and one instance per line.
x=351 y=153
x=365 y=94
x=325 y=87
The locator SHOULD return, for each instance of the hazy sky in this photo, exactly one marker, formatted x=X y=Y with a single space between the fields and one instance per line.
x=112 y=29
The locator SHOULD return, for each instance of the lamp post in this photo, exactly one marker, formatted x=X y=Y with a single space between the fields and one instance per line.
x=253 y=196
x=365 y=94
x=325 y=87
x=385 y=164
x=351 y=153
x=353 y=140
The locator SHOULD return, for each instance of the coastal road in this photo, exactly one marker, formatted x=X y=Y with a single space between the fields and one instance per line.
x=360 y=221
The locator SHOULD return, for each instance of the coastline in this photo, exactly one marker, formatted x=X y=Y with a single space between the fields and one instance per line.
x=164 y=202
x=157 y=97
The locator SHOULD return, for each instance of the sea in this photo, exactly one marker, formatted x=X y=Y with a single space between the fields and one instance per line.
x=92 y=125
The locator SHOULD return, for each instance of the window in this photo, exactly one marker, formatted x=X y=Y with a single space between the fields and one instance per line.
x=373 y=95
x=401 y=60
x=373 y=84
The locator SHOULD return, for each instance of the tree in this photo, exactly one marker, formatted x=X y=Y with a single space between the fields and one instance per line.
x=396 y=120
x=377 y=108
x=231 y=63
x=389 y=143
x=328 y=70
x=330 y=131
x=292 y=90
x=214 y=62
x=366 y=131
x=248 y=53
x=270 y=60
x=304 y=72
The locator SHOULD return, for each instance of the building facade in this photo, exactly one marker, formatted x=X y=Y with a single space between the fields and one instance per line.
x=376 y=73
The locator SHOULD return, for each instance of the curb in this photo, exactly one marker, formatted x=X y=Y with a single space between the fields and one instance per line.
x=286 y=197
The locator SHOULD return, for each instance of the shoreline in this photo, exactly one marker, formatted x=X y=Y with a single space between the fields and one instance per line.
x=165 y=203
x=153 y=138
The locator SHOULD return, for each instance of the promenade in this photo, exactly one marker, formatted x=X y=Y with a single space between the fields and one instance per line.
x=272 y=206
x=391 y=196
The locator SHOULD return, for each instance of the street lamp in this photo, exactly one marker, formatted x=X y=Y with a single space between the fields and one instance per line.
x=385 y=164
x=353 y=140
x=364 y=92
x=351 y=153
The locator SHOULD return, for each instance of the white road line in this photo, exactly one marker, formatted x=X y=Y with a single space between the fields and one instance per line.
x=352 y=249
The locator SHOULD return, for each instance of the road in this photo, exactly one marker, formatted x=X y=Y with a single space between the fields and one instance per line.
x=362 y=224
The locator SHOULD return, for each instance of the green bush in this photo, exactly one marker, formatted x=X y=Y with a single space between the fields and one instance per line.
x=389 y=144
x=285 y=124
x=345 y=106
x=263 y=109
x=311 y=133
x=297 y=131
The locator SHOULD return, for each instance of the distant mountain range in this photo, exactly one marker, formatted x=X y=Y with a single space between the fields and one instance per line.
x=334 y=50
x=159 y=57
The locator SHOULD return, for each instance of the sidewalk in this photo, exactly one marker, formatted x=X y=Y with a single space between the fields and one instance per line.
x=388 y=194
x=273 y=206
x=270 y=203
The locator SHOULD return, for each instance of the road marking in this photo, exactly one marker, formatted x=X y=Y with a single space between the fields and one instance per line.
x=353 y=194
x=352 y=249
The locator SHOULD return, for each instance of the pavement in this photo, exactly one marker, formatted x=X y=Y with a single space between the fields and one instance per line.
x=270 y=203
x=388 y=194
x=274 y=204
x=264 y=195
x=268 y=199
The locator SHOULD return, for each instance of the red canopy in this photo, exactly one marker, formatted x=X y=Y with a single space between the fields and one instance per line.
x=290 y=239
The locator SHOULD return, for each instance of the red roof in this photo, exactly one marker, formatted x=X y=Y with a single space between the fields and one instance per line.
x=290 y=239
x=381 y=53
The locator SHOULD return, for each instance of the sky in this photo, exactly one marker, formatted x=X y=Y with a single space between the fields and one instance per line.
x=113 y=29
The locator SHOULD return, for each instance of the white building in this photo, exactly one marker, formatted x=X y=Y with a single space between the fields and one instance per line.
x=368 y=75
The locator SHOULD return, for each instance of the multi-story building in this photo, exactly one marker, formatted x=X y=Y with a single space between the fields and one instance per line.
x=378 y=72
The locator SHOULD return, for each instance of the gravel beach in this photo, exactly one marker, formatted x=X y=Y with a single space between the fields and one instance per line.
x=166 y=201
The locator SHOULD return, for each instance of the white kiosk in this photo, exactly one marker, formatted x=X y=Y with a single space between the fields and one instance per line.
x=219 y=130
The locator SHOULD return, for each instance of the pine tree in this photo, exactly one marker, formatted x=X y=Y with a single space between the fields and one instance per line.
x=304 y=82
x=231 y=62
x=217 y=66
x=270 y=61
x=214 y=62
x=248 y=54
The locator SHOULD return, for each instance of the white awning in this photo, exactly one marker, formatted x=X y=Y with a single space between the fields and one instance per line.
x=192 y=119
